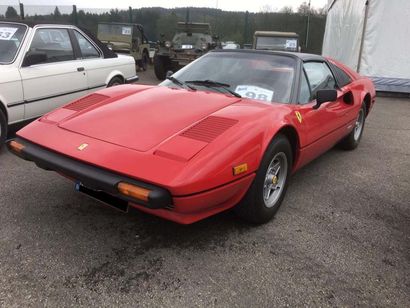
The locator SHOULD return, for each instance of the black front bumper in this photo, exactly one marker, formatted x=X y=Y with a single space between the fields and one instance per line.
x=92 y=177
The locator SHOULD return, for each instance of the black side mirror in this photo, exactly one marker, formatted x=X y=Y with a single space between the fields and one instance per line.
x=33 y=58
x=323 y=96
x=169 y=74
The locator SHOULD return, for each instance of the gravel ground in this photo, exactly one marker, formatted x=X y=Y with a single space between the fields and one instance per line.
x=341 y=238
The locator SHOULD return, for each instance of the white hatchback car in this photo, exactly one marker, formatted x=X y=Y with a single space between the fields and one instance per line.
x=43 y=66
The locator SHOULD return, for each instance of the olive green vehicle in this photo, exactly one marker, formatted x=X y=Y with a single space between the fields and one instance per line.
x=274 y=40
x=126 y=38
x=190 y=41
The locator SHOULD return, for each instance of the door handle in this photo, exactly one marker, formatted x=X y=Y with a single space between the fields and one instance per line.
x=80 y=69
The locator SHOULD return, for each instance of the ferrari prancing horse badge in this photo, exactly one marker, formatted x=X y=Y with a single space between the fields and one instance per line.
x=82 y=147
x=299 y=116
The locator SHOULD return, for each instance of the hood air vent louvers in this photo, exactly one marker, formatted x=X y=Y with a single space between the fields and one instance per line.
x=208 y=129
x=86 y=102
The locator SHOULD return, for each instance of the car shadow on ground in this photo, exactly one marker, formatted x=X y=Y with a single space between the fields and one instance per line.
x=74 y=213
x=69 y=205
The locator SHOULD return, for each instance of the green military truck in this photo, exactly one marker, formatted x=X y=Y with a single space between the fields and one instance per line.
x=190 y=41
x=274 y=40
x=126 y=38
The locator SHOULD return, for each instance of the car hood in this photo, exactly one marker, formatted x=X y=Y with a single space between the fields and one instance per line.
x=145 y=119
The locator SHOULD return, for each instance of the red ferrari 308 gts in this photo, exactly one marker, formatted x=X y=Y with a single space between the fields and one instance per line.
x=226 y=131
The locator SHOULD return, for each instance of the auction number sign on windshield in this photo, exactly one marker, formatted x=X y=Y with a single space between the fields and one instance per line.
x=6 y=33
x=126 y=30
x=255 y=92
x=291 y=44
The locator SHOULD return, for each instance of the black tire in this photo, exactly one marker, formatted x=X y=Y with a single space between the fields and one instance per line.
x=144 y=61
x=253 y=207
x=161 y=66
x=115 y=81
x=3 y=129
x=351 y=141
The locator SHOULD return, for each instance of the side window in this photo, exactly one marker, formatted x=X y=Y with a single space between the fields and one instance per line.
x=87 y=49
x=55 y=43
x=320 y=77
x=304 y=95
x=342 y=78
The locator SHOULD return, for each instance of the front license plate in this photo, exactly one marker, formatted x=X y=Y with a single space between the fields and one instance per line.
x=103 y=197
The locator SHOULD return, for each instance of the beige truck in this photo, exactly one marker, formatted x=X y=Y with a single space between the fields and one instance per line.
x=274 y=40
x=126 y=38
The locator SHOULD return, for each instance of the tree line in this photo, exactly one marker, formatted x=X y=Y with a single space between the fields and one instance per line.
x=229 y=26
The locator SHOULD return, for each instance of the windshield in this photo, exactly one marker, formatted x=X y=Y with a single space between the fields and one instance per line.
x=185 y=40
x=277 y=43
x=115 y=33
x=11 y=37
x=265 y=77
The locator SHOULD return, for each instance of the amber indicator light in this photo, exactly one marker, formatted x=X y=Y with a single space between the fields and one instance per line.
x=16 y=146
x=240 y=169
x=133 y=191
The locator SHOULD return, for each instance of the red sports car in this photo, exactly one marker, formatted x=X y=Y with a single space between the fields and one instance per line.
x=226 y=131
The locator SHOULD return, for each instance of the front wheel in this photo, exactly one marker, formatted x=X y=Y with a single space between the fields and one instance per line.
x=351 y=141
x=3 y=129
x=268 y=189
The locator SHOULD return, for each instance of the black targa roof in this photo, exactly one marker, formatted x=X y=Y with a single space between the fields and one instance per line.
x=297 y=55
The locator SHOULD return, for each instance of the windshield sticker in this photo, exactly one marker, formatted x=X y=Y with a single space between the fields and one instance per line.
x=6 y=33
x=255 y=92
x=126 y=30
x=187 y=46
x=291 y=44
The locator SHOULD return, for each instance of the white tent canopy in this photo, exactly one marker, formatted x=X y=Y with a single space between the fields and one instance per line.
x=373 y=38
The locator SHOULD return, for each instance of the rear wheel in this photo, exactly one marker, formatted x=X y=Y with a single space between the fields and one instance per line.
x=115 y=81
x=3 y=129
x=268 y=189
x=351 y=141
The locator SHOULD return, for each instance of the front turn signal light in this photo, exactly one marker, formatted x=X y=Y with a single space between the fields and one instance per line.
x=240 y=169
x=16 y=146
x=134 y=191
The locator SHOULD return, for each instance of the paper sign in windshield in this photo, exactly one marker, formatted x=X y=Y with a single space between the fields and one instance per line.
x=6 y=33
x=255 y=92
x=126 y=30
x=291 y=44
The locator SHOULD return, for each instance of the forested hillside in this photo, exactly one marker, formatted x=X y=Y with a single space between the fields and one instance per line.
x=232 y=26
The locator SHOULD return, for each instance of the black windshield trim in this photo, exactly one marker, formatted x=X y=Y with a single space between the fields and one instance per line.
x=214 y=84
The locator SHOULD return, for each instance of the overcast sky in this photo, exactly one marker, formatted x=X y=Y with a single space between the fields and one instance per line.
x=228 y=5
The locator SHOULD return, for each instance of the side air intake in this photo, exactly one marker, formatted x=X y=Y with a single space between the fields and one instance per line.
x=86 y=102
x=208 y=129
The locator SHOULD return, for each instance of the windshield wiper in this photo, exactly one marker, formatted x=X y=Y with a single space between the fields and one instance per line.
x=214 y=84
x=180 y=83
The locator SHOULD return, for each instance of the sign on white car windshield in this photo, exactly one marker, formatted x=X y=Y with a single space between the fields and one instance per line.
x=291 y=44
x=255 y=92
x=126 y=31
x=6 y=33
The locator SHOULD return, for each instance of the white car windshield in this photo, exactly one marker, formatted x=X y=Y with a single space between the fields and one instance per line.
x=261 y=76
x=11 y=36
